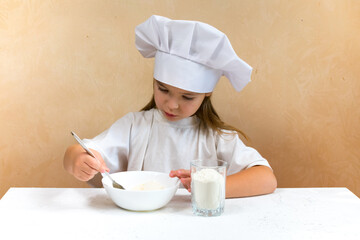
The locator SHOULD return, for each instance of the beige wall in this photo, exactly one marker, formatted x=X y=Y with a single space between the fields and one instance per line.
x=72 y=65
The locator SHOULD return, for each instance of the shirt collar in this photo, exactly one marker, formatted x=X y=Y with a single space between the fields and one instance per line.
x=185 y=122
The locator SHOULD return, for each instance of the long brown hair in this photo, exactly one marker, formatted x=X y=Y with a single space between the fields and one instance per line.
x=208 y=117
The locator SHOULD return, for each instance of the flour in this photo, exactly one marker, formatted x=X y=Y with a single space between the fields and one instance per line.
x=148 y=186
x=208 y=188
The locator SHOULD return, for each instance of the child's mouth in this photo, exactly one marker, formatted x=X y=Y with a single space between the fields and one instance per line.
x=169 y=115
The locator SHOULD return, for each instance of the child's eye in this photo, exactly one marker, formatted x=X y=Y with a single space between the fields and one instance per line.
x=163 y=90
x=188 y=98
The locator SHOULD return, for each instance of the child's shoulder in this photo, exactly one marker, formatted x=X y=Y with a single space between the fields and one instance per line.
x=226 y=135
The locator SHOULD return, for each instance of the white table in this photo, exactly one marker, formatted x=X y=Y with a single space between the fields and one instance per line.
x=85 y=213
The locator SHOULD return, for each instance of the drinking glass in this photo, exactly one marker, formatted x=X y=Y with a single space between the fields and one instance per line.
x=208 y=179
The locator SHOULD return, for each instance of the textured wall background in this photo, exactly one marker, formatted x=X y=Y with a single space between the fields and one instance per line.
x=72 y=65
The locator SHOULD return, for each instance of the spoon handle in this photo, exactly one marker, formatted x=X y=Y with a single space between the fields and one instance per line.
x=83 y=145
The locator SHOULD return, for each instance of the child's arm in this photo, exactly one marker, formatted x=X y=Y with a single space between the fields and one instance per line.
x=80 y=164
x=253 y=181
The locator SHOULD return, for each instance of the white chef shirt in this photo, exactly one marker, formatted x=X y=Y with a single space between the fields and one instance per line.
x=146 y=140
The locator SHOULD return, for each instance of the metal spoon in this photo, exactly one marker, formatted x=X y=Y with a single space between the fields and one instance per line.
x=115 y=184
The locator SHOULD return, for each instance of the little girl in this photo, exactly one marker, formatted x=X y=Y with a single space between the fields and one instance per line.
x=179 y=124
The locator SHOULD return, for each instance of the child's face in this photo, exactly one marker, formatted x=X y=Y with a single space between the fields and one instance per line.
x=176 y=103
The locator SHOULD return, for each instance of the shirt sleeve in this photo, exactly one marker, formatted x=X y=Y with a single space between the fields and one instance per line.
x=113 y=143
x=231 y=149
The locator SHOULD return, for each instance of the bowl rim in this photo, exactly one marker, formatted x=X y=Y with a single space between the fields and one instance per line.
x=176 y=185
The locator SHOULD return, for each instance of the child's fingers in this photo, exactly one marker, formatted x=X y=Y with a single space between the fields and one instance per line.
x=184 y=176
x=83 y=176
x=86 y=167
x=186 y=182
x=97 y=164
x=103 y=164
x=84 y=172
x=180 y=173
x=91 y=164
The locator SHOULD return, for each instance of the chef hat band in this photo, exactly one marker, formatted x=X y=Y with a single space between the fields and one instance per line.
x=167 y=70
x=190 y=55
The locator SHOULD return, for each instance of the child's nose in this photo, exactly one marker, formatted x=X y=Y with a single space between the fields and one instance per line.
x=172 y=103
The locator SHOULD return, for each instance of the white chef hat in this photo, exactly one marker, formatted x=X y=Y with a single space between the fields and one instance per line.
x=190 y=55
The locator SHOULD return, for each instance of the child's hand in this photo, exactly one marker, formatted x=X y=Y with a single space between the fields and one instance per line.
x=184 y=176
x=83 y=166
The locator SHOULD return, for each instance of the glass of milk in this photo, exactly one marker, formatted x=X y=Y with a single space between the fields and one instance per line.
x=208 y=187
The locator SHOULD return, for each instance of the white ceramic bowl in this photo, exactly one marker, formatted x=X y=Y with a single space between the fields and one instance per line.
x=141 y=200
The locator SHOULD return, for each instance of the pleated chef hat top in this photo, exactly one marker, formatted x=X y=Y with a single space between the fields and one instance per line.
x=190 y=55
